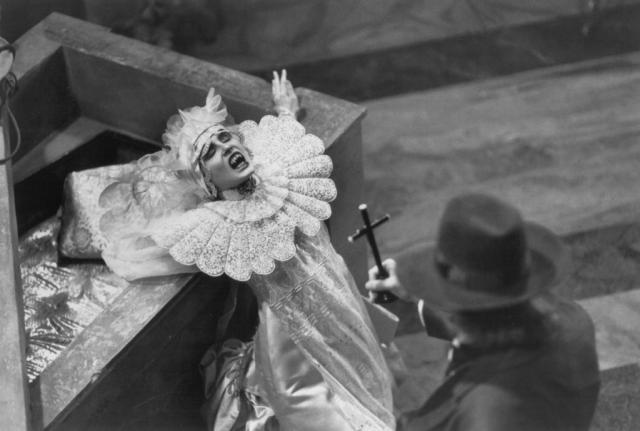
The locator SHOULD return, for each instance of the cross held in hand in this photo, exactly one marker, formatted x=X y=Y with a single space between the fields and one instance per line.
x=367 y=229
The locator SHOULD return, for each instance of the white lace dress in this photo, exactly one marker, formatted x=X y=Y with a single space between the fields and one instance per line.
x=318 y=363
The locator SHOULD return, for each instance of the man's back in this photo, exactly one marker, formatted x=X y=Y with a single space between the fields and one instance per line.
x=551 y=387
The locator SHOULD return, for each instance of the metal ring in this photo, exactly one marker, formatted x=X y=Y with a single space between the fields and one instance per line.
x=8 y=86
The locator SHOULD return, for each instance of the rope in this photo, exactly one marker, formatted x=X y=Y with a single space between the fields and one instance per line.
x=8 y=87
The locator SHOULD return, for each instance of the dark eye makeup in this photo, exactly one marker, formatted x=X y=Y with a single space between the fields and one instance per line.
x=211 y=151
x=224 y=136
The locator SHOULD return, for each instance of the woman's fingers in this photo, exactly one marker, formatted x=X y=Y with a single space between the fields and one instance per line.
x=280 y=85
x=289 y=88
x=274 y=84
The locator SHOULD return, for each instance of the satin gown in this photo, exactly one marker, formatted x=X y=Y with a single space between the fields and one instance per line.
x=316 y=350
x=316 y=363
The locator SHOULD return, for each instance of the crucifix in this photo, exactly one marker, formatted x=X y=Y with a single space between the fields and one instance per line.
x=383 y=297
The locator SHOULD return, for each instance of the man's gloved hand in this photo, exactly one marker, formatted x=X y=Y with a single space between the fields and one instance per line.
x=390 y=283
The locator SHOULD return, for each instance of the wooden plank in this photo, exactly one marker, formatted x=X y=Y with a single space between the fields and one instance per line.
x=562 y=144
x=165 y=392
x=87 y=357
x=14 y=399
x=32 y=48
x=173 y=339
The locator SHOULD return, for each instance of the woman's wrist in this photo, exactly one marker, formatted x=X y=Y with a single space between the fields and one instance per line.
x=281 y=110
x=285 y=111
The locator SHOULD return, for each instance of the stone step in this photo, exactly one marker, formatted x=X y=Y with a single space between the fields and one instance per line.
x=253 y=38
x=617 y=319
x=463 y=58
x=605 y=260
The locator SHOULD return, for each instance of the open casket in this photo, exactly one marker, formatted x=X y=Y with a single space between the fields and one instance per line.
x=102 y=353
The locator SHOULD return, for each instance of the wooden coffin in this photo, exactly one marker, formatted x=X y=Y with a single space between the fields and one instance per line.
x=87 y=98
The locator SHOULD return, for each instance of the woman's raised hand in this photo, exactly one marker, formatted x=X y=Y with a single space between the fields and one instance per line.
x=284 y=97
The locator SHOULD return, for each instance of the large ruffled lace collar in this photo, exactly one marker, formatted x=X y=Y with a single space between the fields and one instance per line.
x=248 y=235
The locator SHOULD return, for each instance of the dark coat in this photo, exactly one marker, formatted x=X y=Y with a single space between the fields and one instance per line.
x=553 y=387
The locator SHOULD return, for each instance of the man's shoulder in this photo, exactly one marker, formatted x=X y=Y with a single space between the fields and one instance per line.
x=572 y=321
x=564 y=367
x=571 y=357
x=523 y=388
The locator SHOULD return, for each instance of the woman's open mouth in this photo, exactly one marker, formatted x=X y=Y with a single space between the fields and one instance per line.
x=237 y=161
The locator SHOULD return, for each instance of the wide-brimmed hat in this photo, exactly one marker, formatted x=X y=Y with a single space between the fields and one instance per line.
x=486 y=257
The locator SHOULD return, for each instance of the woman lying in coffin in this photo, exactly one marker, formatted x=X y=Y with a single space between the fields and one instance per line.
x=249 y=201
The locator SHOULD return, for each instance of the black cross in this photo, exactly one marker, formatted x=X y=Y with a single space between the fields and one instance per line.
x=382 y=297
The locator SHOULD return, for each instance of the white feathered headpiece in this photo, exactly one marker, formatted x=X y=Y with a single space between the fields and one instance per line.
x=183 y=129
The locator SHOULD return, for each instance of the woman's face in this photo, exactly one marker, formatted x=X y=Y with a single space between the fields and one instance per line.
x=224 y=160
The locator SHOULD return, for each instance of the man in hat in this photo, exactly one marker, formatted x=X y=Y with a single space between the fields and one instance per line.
x=521 y=358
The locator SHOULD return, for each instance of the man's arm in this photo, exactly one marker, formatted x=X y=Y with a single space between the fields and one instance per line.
x=436 y=323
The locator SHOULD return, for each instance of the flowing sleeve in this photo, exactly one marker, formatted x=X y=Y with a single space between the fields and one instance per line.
x=136 y=257
x=133 y=206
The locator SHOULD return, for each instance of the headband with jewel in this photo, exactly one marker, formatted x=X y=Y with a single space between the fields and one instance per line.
x=184 y=130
